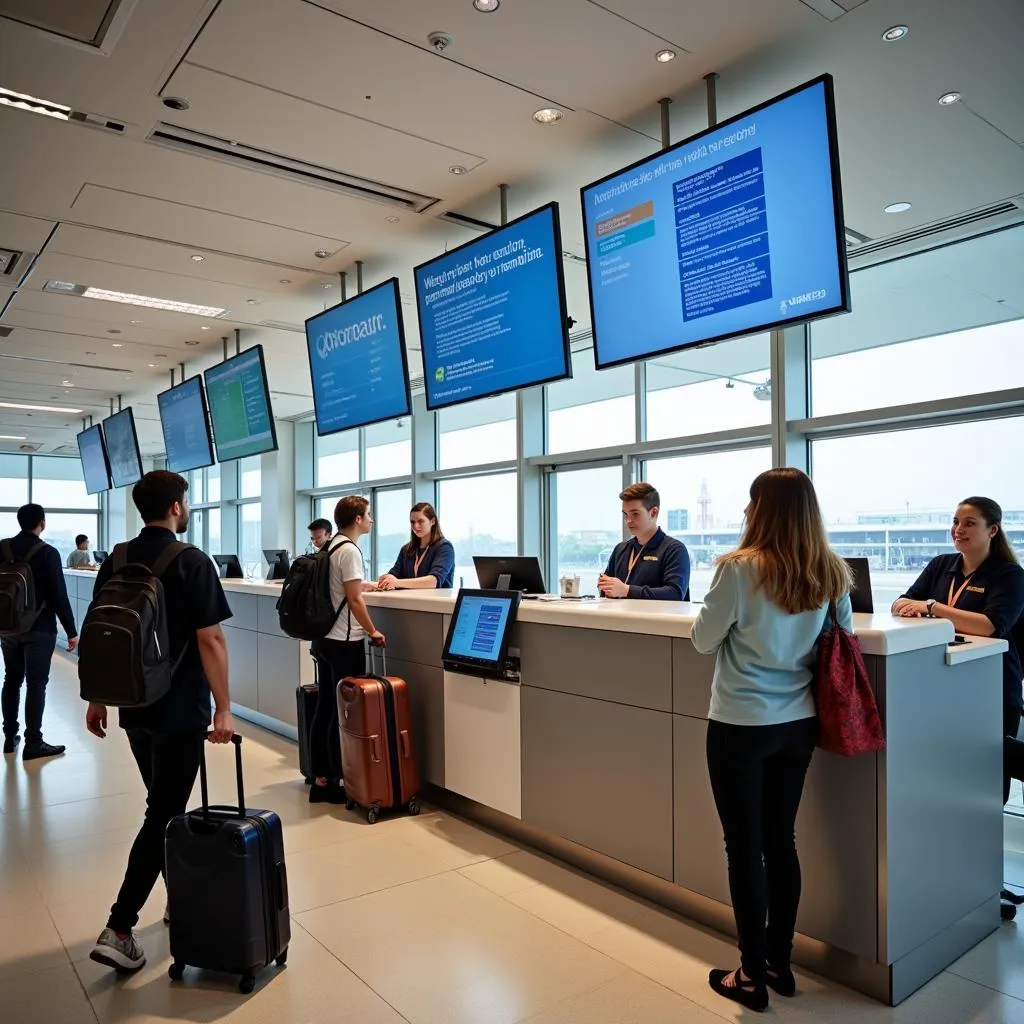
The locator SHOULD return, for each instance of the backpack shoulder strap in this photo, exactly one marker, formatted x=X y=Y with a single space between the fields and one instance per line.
x=34 y=550
x=6 y=553
x=168 y=556
x=120 y=556
x=337 y=547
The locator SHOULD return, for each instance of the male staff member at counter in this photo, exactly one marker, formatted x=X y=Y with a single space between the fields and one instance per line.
x=320 y=531
x=651 y=566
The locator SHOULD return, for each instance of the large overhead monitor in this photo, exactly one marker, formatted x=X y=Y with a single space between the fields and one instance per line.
x=492 y=312
x=735 y=230
x=123 y=448
x=186 y=426
x=357 y=361
x=239 y=398
x=95 y=467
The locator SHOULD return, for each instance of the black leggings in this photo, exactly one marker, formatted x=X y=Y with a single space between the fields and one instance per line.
x=335 y=660
x=757 y=777
x=1011 y=723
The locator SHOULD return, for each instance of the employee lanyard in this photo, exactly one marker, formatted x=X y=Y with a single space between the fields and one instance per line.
x=633 y=559
x=952 y=598
x=417 y=559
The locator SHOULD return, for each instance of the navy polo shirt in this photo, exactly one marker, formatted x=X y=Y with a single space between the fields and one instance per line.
x=438 y=561
x=661 y=571
x=996 y=590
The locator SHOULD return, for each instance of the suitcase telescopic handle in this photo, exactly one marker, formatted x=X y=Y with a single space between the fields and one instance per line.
x=382 y=651
x=236 y=741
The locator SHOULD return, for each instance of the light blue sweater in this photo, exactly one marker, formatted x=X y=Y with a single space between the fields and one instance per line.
x=765 y=655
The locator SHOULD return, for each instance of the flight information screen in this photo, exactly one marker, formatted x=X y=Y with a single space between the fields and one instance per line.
x=239 y=397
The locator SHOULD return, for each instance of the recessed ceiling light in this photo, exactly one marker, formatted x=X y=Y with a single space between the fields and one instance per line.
x=192 y=343
x=326 y=287
x=456 y=169
x=135 y=322
x=116 y=344
x=10 y=437
x=66 y=384
x=897 y=208
x=486 y=6
x=38 y=408
x=392 y=219
x=197 y=258
x=204 y=328
x=896 y=33
x=252 y=302
x=547 y=115
x=22 y=101
x=321 y=254
x=171 y=305
x=947 y=99
x=664 y=56
x=152 y=366
x=284 y=280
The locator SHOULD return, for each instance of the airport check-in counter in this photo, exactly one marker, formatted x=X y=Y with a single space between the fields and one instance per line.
x=597 y=756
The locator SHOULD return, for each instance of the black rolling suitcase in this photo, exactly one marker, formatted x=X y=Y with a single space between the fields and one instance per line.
x=306 y=697
x=227 y=887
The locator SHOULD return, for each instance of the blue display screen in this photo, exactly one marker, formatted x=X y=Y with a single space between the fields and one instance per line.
x=733 y=231
x=122 y=448
x=478 y=631
x=185 y=426
x=492 y=312
x=243 y=423
x=357 y=361
x=94 y=460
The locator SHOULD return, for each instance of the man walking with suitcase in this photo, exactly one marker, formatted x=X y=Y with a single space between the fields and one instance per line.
x=166 y=736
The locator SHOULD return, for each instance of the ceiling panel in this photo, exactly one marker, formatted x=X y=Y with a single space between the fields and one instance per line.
x=82 y=20
x=26 y=234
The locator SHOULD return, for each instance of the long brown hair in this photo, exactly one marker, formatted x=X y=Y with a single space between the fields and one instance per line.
x=785 y=536
x=435 y=531
x=990 y=511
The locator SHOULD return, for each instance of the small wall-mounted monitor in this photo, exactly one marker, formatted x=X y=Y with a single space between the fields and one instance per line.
x=185 y=423
x=123 y=448
x=277 y=559
x=478 y=637
x=228 y=567
x=522 y=572
x=239 y=399
x=99 y=556
x=95 y=466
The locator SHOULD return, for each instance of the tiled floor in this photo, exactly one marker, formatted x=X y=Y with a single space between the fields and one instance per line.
x=424 y=920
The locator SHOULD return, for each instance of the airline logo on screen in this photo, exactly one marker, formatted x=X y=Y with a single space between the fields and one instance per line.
x=330 y=341
x=798 y=300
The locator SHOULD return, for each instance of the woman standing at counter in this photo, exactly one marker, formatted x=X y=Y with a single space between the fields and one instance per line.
x=427 y=562
x=980 y=589
x=762 y=618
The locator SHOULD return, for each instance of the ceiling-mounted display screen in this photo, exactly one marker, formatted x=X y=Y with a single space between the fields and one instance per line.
x=95 y=467
x=123 y=448
x=186 y=426
x=239 y=399
x=492 y=312
x=735 y=230
x=357 y=361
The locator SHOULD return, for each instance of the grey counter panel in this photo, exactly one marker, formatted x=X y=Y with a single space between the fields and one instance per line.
x=242 y=666
x=691 y=679
x=266 y=616
x=599 y=774
x=620 y=667
x=278 y=677
x=415 y=637
x=244 y=613
x=426 y=697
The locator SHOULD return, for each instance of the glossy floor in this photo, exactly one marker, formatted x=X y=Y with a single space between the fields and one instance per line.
x=425 y=919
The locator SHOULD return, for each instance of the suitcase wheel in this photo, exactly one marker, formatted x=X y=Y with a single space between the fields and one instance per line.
x=350 y=805
x=373 y=814
x=282 y=959
x=1007 y=911
x=247 y=984
x=414 y=806
x=176 y=971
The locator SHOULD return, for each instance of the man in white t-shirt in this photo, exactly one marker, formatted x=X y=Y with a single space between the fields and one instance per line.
x=342 y=653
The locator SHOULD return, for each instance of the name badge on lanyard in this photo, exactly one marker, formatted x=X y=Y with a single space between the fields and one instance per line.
x=951 y=598
x=417 y=561
x=633 y=559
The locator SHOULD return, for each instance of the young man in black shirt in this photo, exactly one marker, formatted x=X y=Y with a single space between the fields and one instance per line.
x=27 y=656
x=166 y=737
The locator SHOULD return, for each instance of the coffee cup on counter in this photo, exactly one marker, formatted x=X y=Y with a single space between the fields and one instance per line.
x=569 y=586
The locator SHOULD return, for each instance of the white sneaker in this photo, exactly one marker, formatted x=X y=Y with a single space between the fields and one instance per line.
x=121 y=954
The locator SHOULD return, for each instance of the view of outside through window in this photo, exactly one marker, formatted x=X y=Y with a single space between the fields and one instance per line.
x=389 y=449
x=594 y=409
x=477 y=432
x=250 y=552
x=588 y=519
x=479 y=515
x=337 y=459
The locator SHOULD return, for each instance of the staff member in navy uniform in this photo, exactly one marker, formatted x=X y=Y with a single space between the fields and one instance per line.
x=651 y=566
x=980 y=590
x=427 y=562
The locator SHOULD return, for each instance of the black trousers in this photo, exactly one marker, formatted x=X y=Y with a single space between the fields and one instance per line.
x=1011 y=723
x=26 y=660
x=168 y=764
x=336 y=660
x=757 y=777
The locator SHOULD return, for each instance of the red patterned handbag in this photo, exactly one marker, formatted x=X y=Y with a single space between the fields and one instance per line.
x=848 y=721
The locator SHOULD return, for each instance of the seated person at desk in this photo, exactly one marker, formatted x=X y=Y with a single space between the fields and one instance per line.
x=320 y=531
x=427 y=562
x=651 y=566
x=980 y=589
x=79 y=558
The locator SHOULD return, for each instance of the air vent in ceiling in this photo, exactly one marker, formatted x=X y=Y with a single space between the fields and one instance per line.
x=854 y=238
x=14 y=263
x=238 y=155
x=64 y=362
x=940 y=227
x=283 y=325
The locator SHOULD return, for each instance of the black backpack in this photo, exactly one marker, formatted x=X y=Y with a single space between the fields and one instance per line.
x=124 y=651
x=18 y=609
x=305 y=609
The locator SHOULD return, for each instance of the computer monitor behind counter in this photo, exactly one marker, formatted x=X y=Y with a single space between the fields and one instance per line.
x=277 y=559
x=510 y=572
x=228 y=567
x=98 y=556
x=860 y=595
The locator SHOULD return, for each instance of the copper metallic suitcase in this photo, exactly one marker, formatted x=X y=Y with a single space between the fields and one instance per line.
x=378 y=759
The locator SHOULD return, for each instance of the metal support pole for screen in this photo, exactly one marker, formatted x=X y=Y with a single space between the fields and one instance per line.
x=343 y=278
x=710 y=79
x=666 y=136
x=238 y=340
x=224 y=342
x=359 y=277
x=503 y=197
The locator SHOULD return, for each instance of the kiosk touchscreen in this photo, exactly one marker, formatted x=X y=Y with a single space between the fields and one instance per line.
x=277 y=559
x=477 y=640
x=229 y=567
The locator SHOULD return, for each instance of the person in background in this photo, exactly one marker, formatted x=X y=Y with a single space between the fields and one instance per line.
x=167 y=736
x=79 y=558
x=761 y=619
x=27 y=656
x=651 y=566
x=320 y=531
x=427 y=562
x=342 y=652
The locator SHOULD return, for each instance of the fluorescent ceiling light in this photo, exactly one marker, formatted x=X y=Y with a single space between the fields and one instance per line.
x=8 y=98
x=38 y=408
x=11 y=437
x=150 y=303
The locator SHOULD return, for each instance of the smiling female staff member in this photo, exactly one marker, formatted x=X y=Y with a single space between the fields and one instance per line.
x=427 y=562
x=980 y=590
